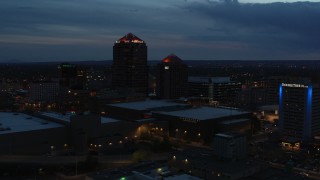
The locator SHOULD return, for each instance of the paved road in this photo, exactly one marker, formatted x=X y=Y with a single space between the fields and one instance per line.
x=53 y=160
x=42 y=159
x=311 y=174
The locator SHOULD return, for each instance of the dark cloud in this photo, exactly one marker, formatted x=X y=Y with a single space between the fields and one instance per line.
x=290 y=25
x=194 y=29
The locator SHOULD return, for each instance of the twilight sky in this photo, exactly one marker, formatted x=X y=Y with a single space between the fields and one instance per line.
x=74 y=30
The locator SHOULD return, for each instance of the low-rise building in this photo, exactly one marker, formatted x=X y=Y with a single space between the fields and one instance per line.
x=141 y=109
x=25 y=134
x=217 y=89
x=202 y=123
x=231 y=146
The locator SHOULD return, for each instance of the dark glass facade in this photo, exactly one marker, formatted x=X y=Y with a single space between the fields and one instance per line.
x=172 y=78
x=129 y=68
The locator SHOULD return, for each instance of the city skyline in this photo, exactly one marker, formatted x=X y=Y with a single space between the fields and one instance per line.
x=193 y=29
x=199 y=119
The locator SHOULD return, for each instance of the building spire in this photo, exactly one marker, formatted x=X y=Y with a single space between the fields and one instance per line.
x=130 y=38
x=172 y=58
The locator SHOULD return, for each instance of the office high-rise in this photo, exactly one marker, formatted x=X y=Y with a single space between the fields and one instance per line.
x=299 y=110
x=129 y=68
x=172 y=78
x=67 y=72
x=272 y=88
x=44 y=91
x=71 y=76
x=218 y=89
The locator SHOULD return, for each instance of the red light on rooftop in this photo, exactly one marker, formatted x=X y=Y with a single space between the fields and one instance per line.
x=130 y=38
x=166 y=60
x=172 y=58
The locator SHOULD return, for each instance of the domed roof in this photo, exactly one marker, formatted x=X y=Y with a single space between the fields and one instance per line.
x=130 y=38
x=172 y=58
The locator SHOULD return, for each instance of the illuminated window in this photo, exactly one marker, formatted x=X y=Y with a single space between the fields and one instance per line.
x=166 y=67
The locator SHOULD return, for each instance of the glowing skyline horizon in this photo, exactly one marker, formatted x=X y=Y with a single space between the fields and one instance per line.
x=86 y=29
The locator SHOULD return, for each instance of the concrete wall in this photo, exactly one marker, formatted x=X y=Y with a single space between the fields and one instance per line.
x=34 y=142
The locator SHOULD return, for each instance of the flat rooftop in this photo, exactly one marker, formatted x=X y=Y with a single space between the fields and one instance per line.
x=205 y=113
x=66 y=117
x=58 y=116
x=200 y=79
x=147 y=105
x=269 y=108
x=105 y=120
x=235 y=121
x=18 y=122
x=230 y=135
x=182 y=177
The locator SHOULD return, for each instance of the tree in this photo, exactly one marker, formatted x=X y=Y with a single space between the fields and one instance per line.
x=140 y=155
